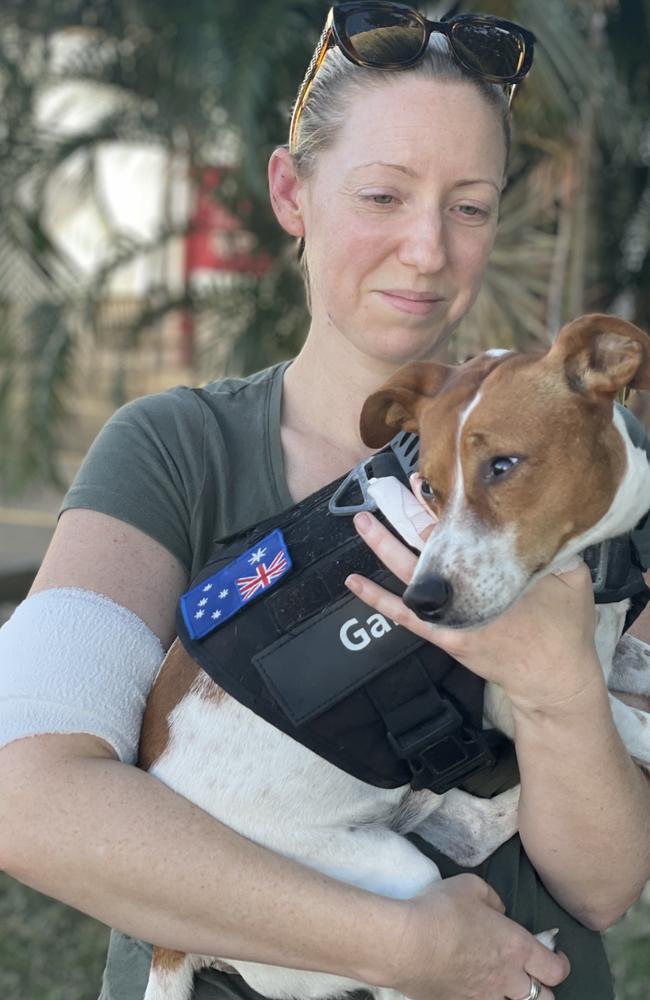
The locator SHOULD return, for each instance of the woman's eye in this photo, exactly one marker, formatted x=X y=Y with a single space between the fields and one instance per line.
x=472 y=211
x=379 y=198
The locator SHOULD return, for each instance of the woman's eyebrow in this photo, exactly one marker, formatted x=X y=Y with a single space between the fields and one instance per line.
x=413 y=173
x=393 y=166
x=480 y=180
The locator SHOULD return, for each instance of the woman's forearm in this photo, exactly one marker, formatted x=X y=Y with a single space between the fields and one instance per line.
x=584 y=814
x=117 y=844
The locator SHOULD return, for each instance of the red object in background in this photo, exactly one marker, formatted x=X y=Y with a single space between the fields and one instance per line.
x=216 y=241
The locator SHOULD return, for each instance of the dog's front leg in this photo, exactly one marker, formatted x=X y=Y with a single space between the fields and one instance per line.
x=630 y=671
x=468 y=829
x=630 y=674
x=633 y=726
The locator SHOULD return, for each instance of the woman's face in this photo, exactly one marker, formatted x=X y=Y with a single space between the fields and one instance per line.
x=400 y=215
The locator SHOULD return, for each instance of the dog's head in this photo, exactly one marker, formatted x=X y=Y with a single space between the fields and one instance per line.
x=524 y=462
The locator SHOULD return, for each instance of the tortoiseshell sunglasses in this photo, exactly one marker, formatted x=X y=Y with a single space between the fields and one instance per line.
x=380 y=34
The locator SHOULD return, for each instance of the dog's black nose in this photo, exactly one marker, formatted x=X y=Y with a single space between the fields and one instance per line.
x=429 y=597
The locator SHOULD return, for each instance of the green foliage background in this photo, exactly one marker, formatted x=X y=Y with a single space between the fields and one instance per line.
x=47 y=951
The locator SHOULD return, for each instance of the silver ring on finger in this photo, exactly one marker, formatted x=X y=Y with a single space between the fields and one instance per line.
x=535 y=989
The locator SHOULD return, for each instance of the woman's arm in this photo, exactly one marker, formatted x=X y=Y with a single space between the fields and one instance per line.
x=116 y=843
x=585 y=806
x=588 y=837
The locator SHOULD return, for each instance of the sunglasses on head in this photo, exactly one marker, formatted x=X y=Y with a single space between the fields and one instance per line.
x=380 y=34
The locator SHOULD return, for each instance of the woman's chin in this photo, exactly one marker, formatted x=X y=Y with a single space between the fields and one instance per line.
x=398 y=347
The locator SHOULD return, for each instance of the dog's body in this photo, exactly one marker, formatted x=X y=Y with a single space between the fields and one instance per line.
x=273 y=790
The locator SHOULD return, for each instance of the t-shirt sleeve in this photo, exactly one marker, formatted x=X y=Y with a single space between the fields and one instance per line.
x=147 y=467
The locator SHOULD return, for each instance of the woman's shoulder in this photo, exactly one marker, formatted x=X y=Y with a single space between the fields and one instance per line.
x=258 y=381
x=170 y=463
x=183 y=405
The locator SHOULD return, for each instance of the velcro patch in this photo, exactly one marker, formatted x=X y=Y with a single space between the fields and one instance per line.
x=220 y=596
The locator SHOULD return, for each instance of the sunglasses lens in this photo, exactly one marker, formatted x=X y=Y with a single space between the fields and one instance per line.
x=381 y=37
x=488 y=50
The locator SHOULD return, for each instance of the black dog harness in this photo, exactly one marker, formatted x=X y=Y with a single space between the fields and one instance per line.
x=270 y=620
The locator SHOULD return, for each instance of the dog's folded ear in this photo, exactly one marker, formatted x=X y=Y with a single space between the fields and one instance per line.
x=603 y=354
x=395 y=406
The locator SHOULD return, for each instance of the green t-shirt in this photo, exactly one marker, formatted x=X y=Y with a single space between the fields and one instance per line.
x=189 y=469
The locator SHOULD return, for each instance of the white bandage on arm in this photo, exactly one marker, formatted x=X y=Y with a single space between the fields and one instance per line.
x=72 y=661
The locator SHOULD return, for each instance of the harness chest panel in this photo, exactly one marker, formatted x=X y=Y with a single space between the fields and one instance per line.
x=368 y=696
x=354 y=687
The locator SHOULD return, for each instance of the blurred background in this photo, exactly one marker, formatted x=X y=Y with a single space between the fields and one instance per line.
x=138 y=251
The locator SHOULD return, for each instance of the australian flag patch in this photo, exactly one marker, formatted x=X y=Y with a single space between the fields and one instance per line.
x=220 y=596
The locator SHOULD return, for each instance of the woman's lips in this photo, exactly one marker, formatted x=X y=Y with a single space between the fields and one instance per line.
x=415 y=303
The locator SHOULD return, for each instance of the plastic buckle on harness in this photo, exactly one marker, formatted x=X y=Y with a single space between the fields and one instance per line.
x=399 y=458
x=442 y=752
x=359 y=478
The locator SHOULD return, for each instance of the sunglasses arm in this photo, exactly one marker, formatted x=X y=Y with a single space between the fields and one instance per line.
x=324 y=43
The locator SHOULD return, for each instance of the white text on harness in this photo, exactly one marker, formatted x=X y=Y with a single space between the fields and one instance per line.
x=377 y=626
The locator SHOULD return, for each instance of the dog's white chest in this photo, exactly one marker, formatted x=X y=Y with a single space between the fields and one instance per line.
x=268 y=787
x=271 y=789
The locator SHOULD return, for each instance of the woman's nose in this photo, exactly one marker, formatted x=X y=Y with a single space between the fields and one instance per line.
x=423 y=245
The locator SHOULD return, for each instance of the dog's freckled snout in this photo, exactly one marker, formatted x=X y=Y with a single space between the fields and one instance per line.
x=429 y=597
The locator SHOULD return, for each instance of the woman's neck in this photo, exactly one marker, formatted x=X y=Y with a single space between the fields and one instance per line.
x=325 y=388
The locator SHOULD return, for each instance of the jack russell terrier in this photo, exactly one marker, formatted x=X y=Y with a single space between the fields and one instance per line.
x=511 y=506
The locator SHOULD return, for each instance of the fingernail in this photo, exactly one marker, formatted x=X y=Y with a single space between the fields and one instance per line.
x=361 y=522
x=352 y=583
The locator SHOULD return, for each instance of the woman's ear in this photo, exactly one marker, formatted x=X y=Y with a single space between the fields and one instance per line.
x=284 y=187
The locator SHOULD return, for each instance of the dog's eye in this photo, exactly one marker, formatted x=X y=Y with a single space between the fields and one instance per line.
x=499 y=467
x=426 y=490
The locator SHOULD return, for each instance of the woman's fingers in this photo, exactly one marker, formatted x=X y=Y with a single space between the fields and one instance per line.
x=520 y=985
x=544 y=966
x=397 y=558
x=392 y=552
x=523 y=992
x=389 y=605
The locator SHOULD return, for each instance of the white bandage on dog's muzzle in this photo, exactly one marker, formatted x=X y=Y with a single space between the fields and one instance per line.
x=72 y=661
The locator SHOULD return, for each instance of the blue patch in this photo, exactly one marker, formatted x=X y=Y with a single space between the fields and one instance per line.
x=220 y=596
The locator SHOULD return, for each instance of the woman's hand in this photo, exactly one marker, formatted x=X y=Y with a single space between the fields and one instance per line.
x=541 y=651
x=456 y=944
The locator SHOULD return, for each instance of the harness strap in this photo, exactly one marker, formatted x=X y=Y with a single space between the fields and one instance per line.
x=617 y=572
x=427 y=730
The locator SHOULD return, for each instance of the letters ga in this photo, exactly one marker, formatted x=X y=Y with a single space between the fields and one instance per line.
x=359 y=637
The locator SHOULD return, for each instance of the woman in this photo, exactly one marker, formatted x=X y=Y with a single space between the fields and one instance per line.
x=393 y=183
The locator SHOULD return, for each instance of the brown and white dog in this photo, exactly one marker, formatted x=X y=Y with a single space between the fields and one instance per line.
x=526 y=463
